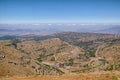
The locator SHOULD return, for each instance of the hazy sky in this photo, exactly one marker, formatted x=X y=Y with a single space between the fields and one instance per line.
x=60 y=11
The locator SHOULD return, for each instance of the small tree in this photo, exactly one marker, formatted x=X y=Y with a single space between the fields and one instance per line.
x=53 y=59
x=71 y=61
x=14 y=42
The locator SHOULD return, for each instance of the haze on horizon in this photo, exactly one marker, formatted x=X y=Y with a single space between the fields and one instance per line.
x=59 y=11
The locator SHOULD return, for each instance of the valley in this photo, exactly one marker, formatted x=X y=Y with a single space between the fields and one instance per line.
x=60 y=55
x=59 y=39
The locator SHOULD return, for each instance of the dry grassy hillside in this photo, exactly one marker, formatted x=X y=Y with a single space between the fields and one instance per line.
x=82 y=76
x=49 y=48
x=110 y=53
x=10 y=64
x=27 y=58
x=73 y=55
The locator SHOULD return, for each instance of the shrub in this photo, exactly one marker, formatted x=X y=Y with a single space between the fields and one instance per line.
x=114 y=78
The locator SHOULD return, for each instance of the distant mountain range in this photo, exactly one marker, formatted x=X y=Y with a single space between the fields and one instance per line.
x=112 y=30
x=45 y=29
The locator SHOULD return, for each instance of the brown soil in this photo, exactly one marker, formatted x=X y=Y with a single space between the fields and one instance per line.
x=82 y=76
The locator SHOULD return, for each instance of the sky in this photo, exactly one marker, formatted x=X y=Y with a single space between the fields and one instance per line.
x=59 y=11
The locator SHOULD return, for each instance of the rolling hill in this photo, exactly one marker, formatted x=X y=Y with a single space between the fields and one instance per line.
x=59 y=54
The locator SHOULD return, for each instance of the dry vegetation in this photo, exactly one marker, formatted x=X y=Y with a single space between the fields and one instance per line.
x=82 y=76
x=62 y=56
